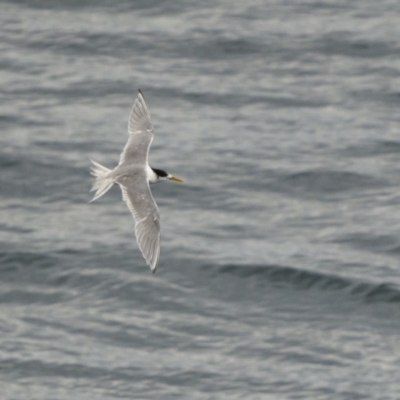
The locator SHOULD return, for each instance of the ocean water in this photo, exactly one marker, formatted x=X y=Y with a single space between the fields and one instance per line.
x=280 y=264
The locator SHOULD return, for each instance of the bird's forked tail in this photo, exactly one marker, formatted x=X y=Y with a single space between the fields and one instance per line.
x=102 y=182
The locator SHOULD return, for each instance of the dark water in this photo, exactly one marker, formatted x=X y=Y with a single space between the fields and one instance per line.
x=280 y=265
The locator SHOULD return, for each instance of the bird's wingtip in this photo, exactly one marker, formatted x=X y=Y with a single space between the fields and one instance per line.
x=141 y=95
x=153 y=268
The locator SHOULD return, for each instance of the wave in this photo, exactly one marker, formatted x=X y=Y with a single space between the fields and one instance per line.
x=377 y=243
x=317 y=183
x=19 y=259
x=277 y=275
x=324 y=181
x=372 y=149
x=45 y=177
x=307 y=279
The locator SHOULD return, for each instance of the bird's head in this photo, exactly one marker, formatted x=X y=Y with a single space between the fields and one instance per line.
x=164 y=175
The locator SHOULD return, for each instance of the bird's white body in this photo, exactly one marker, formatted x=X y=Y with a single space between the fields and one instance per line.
x=133 y=174
x=152 y=177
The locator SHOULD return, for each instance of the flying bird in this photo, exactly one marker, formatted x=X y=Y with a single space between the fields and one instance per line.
x=133 y=174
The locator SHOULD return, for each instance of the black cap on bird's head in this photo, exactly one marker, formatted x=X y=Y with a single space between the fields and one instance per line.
x=160 y=172
x=162 y=175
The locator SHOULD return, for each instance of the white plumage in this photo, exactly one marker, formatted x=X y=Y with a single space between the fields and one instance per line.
x=133 y=174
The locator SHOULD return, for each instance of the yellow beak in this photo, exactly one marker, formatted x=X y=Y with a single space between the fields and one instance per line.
x=174 y=178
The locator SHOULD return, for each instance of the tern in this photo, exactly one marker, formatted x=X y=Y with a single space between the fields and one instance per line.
x=133 y=174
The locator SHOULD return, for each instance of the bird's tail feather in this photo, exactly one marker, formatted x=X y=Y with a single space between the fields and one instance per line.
x=102 y=182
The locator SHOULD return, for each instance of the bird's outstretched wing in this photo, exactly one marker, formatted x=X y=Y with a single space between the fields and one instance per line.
x=137 y=195
x=141 y=133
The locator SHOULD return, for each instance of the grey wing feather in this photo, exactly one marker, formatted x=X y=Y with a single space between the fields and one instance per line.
x=141 y=133
x=145 y=212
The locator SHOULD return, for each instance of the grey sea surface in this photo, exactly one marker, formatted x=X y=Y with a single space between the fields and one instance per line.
x=280 y=263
